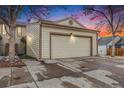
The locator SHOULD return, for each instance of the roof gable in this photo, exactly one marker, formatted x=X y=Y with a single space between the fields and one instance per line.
x=70 y=22
x=108 y=40
x=104 y=40
x=121 y=41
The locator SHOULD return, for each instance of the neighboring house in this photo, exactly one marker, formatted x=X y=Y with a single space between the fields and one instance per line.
x=19 y=36
x=103 y=44
x=106 y=42
x=120 y=43
x=60 y=39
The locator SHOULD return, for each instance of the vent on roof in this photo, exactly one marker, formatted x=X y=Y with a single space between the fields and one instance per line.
x=70 y=22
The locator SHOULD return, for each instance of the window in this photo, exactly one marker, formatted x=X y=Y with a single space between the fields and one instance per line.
x=19 y=31
x=3 y=30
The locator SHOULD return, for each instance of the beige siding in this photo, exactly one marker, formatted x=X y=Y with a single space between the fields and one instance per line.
x=33 y=40
x=46 y=37
x=66 y=22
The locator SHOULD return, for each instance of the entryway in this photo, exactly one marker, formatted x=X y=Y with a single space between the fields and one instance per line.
x=7 y=48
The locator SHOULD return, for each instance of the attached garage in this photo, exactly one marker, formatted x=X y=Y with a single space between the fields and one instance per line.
x=60 y=39
x=65 y=46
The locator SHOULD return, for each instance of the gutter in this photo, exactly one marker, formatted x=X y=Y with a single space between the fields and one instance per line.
x=40 y=43
x=48 y=24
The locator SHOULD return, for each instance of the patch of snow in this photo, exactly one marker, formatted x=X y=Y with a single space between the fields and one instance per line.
x=120 y=66
x=5 y=72
x=74 y=66
x=36 y=69
x=70 y=67
x=31 y=63
x=51 y=83
x=51 y=61
x=1 y=57
x=24 y=85
x=81 y=82
x=101 y=76
x=67 y=59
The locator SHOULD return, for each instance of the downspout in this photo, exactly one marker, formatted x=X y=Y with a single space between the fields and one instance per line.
x=40 y=42
x=97 y=43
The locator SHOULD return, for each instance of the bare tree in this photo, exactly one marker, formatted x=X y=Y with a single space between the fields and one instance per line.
x=9 y=15
x=40 y=12
x=111 y=17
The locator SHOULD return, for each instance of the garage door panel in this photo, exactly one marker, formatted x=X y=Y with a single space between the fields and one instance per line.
x=66 y=46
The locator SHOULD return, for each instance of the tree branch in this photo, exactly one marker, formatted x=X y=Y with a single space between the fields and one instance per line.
x=7 y=31
x=111 y=13
x=117 y=24
x=35 y=14
x=104 y=16
x=4 y=20
x=19 y=10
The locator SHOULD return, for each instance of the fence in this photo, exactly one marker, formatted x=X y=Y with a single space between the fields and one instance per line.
x=118 y=51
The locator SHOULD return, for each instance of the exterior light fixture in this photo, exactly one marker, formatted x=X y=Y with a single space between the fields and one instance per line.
x=72 y=38
x=71 y=34
x=29 y=38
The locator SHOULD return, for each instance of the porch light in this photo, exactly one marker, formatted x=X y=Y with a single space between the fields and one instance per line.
x=72 y=38
x=71 y=34
x=4 y=30
x=29 y=38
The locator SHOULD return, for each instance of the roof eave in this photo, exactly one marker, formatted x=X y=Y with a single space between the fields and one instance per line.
x=69 y=27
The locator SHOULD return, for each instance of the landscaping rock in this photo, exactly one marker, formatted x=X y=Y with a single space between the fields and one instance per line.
x=5 y=62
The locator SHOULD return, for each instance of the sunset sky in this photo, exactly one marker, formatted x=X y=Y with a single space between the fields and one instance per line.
x=76 y=11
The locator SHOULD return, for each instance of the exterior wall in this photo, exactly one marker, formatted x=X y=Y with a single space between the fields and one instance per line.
x=66 y=22
x=46 y=39
x=102 y=50
x=4 y=40
x=33 y=40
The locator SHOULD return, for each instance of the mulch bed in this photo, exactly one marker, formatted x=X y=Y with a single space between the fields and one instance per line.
x=5 y=62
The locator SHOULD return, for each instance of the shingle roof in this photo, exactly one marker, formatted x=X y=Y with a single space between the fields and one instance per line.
x=18 y=23
x=121 y=42
x=21 y=23
x=104 y=40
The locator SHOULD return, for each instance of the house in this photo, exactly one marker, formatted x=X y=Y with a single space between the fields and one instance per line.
x=60 y=39
x=120 y=43
x=20 y=46
x=105 y=43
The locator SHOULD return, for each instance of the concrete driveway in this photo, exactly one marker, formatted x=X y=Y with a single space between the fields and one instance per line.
x=86 y=72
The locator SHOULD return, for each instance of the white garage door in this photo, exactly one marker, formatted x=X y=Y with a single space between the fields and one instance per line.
x=67 y=46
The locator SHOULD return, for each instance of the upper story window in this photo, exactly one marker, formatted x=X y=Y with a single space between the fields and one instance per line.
x=4 y=30
x=19 y=31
